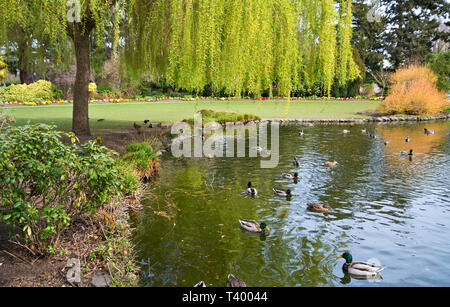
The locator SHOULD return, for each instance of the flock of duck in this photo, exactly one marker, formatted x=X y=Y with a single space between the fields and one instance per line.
x=359 y=269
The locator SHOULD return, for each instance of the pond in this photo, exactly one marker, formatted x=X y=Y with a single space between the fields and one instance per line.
x=386 y=208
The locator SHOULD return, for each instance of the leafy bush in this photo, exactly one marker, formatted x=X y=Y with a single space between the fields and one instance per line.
x=92 y=89
x=3 y=69
x=40 y=90
x=45 y=183
x=414 y=91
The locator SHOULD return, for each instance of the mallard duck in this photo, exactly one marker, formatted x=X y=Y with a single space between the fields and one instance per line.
x=200 y=285
x=359 y=268
x=319 y=208
x=296 y=163
x=234 y=282
x=386 y=143
x=345 y=131
x=283 y=193
x=150 y=125
x=253 y=226
x=331 y=164
x=405 y=153
x=251 y=191
x=301 y=133
x=428 y=132
x=291 y=176
x=407 y=140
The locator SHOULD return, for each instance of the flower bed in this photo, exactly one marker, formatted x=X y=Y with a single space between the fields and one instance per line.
x=187 y=99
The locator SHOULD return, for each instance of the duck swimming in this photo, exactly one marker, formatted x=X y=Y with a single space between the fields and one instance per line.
x=291 y=176
x=296 y=163
x=331 y=164
x=428 y=132
x=251 y=191
x=404 y=153
x=234 y=282
x=283 y=193
x=319 y=208
x=253 y=226
x=200 y=285
x=359 y=268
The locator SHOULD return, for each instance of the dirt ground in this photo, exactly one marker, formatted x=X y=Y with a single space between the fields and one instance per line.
x=20 y=268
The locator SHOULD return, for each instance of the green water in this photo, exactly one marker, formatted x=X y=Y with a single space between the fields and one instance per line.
x=385 y=207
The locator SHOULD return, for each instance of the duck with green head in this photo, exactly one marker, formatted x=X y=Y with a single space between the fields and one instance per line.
x=253 y=226
x=291 y=176
x=359 y=268
x=283 y=193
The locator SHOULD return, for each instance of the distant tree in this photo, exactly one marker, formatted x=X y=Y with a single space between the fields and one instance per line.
x=382 y=78
x=440 y=64
x=368 y=29
x=413 y=27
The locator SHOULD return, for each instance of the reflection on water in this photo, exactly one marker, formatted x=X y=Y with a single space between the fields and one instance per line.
x=384 y=206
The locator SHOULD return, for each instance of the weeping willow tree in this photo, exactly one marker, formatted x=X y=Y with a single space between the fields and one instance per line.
x=235 y=46
x=242 y=46
x=55 y=22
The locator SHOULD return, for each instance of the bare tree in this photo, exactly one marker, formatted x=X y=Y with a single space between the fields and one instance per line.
x=381 y=77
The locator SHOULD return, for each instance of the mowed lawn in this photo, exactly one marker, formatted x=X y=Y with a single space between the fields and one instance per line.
x=121 y=116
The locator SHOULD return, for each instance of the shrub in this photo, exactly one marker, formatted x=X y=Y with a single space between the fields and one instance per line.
x=44 y=183
x=92 y=89
x=40 y=90
x=414 y=91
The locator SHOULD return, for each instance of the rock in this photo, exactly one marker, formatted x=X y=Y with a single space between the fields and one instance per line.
x=101 y=280
x=73 y=274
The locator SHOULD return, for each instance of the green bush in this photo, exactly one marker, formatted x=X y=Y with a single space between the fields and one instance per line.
x=44 y=183
x=40 y=90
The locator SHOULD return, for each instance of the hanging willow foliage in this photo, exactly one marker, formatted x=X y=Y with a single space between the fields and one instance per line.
x=242 y=46
x=235 y=46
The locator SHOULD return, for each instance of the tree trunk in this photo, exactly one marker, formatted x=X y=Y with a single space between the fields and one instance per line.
x=80 y=119
x=25 y=77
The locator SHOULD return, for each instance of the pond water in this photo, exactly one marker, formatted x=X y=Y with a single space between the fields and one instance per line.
x=386 y=208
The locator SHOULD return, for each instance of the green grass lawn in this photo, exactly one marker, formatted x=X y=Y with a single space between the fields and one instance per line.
x=122 y=116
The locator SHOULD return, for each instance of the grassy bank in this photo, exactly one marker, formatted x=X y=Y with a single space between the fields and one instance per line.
x=122 y=116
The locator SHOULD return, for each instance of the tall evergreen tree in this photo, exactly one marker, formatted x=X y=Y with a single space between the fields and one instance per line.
x=368 y=29
x=413 y=27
